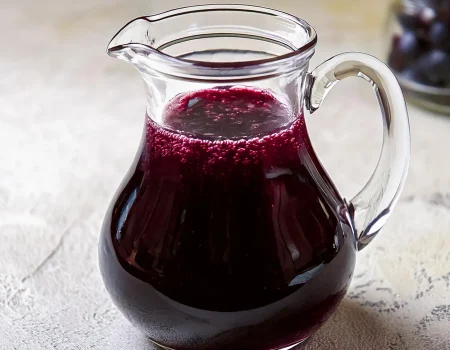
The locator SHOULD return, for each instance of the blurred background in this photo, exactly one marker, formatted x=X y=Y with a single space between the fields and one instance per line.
x=70 y=123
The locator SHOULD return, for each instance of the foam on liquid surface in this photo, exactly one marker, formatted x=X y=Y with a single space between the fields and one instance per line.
x=211 y=128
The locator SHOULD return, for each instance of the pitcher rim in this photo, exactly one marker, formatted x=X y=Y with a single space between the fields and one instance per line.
x=244 y=64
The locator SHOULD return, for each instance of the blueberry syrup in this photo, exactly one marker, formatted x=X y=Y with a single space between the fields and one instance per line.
x=227 y=233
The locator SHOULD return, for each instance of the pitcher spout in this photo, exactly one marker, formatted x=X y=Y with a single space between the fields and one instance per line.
x=133 y=43
x=216 y=43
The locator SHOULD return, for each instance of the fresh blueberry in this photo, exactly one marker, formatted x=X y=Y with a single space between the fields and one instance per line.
x=444 y=12
x=427 y=16
x=441 y=4
x=435 y=3
x=408 y=45
x=435 y=67
x=396 y=59
x=408 y=21
x=440 y=35
x=414 y=74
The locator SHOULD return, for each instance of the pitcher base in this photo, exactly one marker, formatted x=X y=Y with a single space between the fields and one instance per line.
x=290 y=347
x=293 y=347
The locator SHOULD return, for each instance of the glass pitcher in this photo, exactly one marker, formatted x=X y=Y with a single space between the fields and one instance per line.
x=227 y=233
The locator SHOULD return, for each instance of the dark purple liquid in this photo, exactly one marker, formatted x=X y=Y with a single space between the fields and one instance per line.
x=221 y=240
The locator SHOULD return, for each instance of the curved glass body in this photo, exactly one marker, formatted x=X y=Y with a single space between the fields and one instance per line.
x=227 y=238
x=227 y=233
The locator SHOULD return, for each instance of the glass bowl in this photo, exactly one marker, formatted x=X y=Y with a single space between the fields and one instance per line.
x=419 y=51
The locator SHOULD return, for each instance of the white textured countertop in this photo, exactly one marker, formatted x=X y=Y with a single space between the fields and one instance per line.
x=70 y=122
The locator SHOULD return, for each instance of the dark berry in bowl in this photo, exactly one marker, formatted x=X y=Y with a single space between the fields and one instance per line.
x=426 y=17
x=434 y=67
x=414 y=74
x=408 y=45
x=396 y=59
x=405 y=50
x=444 y=12
x=409 y=21
x=440 y=35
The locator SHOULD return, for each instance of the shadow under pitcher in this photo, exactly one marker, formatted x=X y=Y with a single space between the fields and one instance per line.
x=227 y=232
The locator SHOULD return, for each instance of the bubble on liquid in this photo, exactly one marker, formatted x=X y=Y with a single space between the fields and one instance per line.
x=193 y=101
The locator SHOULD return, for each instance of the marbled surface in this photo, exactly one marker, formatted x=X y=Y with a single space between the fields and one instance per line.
x=70 y=122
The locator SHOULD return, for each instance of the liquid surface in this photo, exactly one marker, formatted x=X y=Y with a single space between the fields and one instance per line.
x=227 y=113
x=221 y=240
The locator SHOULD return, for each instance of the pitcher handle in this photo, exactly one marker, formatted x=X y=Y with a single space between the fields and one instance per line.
x=371 y=207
